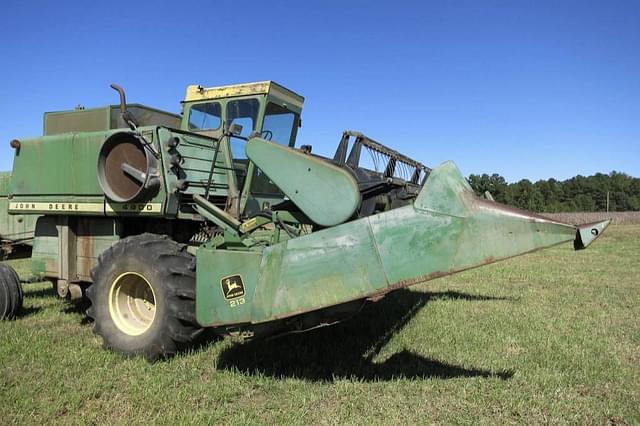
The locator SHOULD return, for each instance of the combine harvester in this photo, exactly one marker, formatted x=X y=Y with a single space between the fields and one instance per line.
x=214 y=219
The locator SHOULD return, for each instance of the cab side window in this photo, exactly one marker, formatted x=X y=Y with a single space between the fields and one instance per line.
x=205 y=116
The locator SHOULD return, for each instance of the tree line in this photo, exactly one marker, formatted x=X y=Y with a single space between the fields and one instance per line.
x=578 y=194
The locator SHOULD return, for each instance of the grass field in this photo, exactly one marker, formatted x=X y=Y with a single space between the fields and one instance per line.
x=549 y=337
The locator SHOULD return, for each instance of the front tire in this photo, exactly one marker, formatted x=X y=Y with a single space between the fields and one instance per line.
x=143 y=297
x=11 y=295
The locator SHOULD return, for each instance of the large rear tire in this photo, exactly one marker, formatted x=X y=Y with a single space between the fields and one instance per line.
x=11 y=295
x=143 y=297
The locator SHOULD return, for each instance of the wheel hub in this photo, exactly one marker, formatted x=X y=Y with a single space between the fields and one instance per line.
x=132 y=303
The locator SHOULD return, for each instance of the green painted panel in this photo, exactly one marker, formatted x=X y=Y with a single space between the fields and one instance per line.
x=83 y=161
x=57 y=175
x=318 y=270
x=86 y=120
x=105 y=118
x=14 y=227
x=411 y=242
x=5 y=180
x=326 y=193
x=213 y=266
x=57 y=165
x=446 y=187
x=44 y=257
x=381 y=253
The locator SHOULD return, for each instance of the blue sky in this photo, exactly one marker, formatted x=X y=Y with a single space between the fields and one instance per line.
x=527 y=89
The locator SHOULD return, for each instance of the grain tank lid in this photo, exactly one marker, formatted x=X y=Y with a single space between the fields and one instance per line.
x=198 y=93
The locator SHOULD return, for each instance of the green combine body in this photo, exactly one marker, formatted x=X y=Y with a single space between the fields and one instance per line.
x=16 y=230
x=214 y=219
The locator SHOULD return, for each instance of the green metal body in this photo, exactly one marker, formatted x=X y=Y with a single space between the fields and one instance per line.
x=278 y=233
x=95 y=119
x=14 y=229
x=57 y=175
x=327 y=194
x=54 y=179
x=448 y=229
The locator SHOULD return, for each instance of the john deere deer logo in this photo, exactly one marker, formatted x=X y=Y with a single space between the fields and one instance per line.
x=232 y=286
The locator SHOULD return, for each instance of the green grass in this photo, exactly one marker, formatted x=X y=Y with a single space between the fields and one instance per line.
x=549 y=337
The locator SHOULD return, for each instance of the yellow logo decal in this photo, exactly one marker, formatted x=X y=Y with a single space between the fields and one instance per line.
x=232 y=287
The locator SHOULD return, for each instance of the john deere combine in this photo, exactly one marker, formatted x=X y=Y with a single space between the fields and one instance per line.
x=215 y=219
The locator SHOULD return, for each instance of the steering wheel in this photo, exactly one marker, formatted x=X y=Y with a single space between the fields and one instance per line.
x=268 y=134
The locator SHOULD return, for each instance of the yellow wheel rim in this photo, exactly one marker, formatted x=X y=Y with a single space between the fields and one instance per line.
x=132 y=303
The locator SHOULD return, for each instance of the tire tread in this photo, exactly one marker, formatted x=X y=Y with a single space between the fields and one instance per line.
x=175 y=269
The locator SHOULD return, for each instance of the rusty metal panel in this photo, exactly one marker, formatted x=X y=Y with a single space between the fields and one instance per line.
x=94 y=235
x=66 y=249
x=45 y=259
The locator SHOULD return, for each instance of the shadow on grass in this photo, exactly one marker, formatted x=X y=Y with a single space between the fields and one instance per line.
x=348 y=350
x=29 y=310
x=49 y=291
x=69 y=307
x=79 y=307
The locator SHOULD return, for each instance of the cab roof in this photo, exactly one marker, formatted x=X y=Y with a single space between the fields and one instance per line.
x=198 y=93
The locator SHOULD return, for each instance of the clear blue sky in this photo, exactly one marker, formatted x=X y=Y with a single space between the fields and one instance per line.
x=527 y=89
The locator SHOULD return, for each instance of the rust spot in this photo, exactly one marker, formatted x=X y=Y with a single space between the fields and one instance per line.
x=84 y=261
x=51 y=267
x=407 y=283
x=417 y=280
x=428 y=277
x=376 y=298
